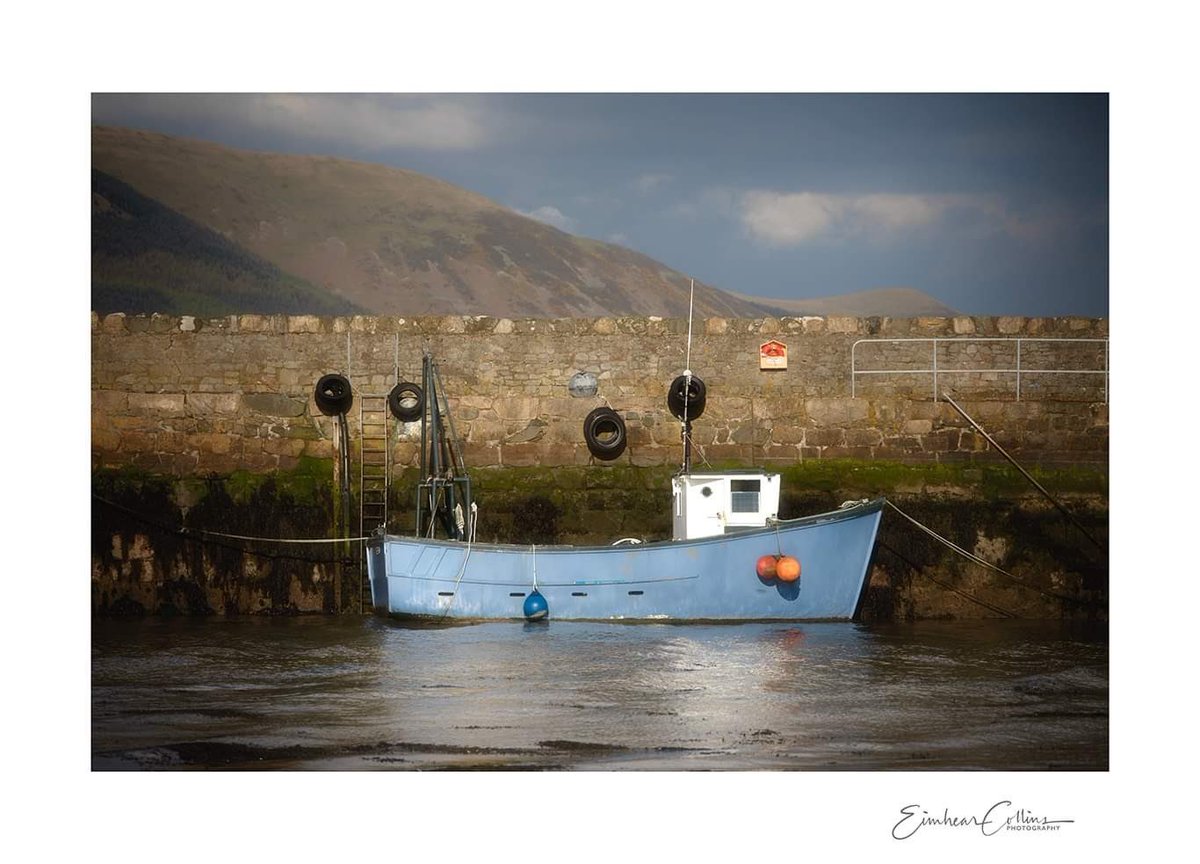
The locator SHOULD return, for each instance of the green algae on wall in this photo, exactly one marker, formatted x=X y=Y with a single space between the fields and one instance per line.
x=142 y=564
x=164 y=546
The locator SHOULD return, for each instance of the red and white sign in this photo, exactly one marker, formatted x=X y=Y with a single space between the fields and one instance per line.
x=772 y=355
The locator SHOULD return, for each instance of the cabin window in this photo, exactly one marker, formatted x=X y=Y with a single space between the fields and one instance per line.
x=744 y=496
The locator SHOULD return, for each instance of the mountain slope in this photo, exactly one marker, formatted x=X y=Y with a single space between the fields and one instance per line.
x=148 y=258
x=395 y=242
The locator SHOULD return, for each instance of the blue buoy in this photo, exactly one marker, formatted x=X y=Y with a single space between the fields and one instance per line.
x=536 y=607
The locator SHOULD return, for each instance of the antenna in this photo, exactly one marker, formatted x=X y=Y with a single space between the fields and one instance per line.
x=687 y=366
x=685 y=424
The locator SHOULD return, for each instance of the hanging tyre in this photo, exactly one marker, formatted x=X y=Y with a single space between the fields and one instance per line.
x=333 y=395
x=695 y=395
x=604 y=432
x=407 y=402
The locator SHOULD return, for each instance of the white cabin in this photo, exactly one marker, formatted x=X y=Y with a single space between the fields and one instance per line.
x=710 y=504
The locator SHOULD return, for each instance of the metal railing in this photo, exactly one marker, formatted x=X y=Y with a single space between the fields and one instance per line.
x=1018 y=370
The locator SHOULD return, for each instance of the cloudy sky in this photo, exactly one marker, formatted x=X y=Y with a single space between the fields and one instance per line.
x=993 y=204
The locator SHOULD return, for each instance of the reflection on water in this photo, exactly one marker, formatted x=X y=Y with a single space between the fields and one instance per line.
x=374 y=694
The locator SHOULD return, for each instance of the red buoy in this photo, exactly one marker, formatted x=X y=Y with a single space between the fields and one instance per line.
x=766 y=567
x=787 y=569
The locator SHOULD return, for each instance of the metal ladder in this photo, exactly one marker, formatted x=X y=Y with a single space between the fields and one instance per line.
x=374 y=469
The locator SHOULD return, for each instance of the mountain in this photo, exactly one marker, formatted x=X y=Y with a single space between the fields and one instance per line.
x=190 y=227
x=384 y=240
x=892 y=302
x=148 y=258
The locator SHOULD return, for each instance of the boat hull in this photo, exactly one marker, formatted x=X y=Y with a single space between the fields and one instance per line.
x=710 y=579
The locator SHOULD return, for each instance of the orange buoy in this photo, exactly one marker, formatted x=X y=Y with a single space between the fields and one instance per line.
x=766 y=567
x=787 y=569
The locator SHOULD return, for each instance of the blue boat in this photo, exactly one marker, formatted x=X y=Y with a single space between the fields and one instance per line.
x=704 y=579
x=730 y=558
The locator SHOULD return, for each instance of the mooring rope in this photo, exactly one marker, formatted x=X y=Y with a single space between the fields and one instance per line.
x=183 y=529
x=1061 y=509
x=189 y=534
x=947 y=586
x=980 y=561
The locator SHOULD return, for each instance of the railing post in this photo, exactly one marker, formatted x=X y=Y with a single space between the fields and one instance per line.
x=1018 y=369
x=853 y=348
x=935 y=390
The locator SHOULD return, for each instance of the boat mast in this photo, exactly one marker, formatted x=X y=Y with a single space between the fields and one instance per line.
x=685 y=425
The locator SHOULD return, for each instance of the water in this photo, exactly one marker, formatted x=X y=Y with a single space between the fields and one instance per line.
x=370 y=694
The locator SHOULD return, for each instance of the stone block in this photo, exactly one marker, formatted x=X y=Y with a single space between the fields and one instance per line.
x=847 y=453
x=275 y=404
x=824 y=437
x=813 y=324
x=114 y=323
x=135 y=423
x=776 y=454
x=836 y=411
x=211 y=442
x=533 y=431
x=406 y=453
x=520 y=455
x=303 y=324
x=171 y=442
x=214 y=403
x=645 y=457
x=169 y=404
x=255 y=323
x=483 y=431
x=517 y=408
x=842 y=324
x=283 y=447
x=940 y=442
x=320 y=449
x=1009 y=325
x=106 y=402
x=787 y=434
x=930 y=324
x=737 y=453
x=105 y=439
x=863 y=437
x=479 y=455
x=749 y=432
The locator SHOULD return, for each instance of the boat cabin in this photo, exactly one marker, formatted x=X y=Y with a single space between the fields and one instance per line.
x=707 y=505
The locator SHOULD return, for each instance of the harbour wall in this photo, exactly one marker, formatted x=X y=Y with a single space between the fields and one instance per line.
x=185 y=396
x=210 y=424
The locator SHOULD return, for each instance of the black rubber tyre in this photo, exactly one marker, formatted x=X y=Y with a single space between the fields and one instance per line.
x=604 y=432
x=407 y=402
x=696 y=396
x=333 y=395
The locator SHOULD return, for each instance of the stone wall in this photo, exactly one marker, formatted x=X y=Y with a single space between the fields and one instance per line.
x=186 y=396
